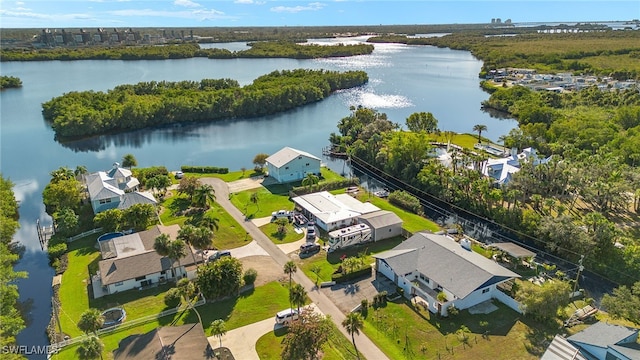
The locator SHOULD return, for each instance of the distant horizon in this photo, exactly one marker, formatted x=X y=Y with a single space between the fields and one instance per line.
x=35 y=14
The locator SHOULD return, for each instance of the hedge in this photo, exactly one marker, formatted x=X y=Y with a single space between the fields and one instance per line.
x=339 y=278
x=204 y=169
x=406 y=201
x=326 y=186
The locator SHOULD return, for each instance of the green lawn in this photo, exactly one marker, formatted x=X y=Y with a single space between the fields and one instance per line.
x=410 y=221
x=338 y=347
x=268 y=202
x=271 y=230
x=404 y=333
x=74 y=296
x=329 y=262
x=261 y=303
x=229 y=234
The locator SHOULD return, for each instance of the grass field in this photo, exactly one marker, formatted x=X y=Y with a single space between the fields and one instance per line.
x=229 y=234
x=228 y=177
x=410 y=221
x=329 y=262
x=268 y=202
x=256 y=305
x=271 y=230
x=403 y=332
x=338 y=347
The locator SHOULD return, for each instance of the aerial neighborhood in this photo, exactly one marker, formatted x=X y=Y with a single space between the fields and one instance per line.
x=344 y=197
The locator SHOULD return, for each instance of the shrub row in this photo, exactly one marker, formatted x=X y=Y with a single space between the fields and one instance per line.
x=341 y=277
x=142 y=174
x=326 y=186
x=406 y=201
x=204 y=169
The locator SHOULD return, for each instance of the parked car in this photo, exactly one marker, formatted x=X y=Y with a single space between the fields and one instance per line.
x=218 y=254
x=309 y=248
x=178 y=174
x=281 y=214
x=311 y=232
x=284 y=317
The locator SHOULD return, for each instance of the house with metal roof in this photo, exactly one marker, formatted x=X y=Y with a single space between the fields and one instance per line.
x=115 y=189
x=603 y=341
x=290 y=164
x=330 y=211
x=384 y=224
x=427 y=264
x=130 y=262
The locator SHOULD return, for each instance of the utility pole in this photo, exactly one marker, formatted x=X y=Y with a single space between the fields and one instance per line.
x=580 y=268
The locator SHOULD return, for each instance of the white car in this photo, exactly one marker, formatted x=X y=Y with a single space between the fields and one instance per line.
x=179 y=174
x=281 y=214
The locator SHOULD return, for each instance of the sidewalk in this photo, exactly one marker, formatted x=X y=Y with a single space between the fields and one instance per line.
x=324 y=304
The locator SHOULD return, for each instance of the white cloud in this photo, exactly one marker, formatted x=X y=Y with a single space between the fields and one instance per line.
x=19 y=3
x=295 y=9
x=187 y=3
x=255 y=2
x=193 y=14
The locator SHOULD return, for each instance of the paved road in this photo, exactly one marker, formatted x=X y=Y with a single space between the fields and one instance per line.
x=324 y=304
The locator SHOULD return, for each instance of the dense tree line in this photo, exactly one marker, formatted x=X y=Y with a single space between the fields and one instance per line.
x=573 y=205
x=614 y=53
x=10 y=82
x=11 y=321
x=278 y=49
x=129 y=107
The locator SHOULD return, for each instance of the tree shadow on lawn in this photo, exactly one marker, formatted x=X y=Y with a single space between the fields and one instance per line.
x=538 y=336
x=178 y=205
x=220 y=309
x=128 y=296
x=499 y=322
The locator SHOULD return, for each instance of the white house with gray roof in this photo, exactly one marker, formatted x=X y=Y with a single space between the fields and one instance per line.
x=427 y=264
x=384 y=224
x=290 y=164
x=130 y=262
x=603 y=341
x=115 y=189
x=332 y=212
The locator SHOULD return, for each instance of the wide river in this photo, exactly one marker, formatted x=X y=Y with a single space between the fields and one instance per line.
x=402 y=80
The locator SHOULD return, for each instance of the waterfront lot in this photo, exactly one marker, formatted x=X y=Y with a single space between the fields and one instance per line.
x=252 y=306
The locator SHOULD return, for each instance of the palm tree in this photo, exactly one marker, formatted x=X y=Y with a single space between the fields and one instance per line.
x=174 y=250
x=62 y=173
x=353 y=324
x=218 y=329
x=289 y=269
x=91 y=321
x=80 y=171
x=204 y=196
x=187 y=233
x=90 y=348
x=254 y=199
x=297 y=296
x=480 y=128
x=188 y=290
x=310 y=180
x=129 y=161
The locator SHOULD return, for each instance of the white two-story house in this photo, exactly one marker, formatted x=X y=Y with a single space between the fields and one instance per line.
x=289 y=165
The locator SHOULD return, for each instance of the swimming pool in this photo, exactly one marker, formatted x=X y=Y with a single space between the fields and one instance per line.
x=109 y=236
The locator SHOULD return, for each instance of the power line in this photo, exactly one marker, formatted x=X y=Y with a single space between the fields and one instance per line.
x=375 y=173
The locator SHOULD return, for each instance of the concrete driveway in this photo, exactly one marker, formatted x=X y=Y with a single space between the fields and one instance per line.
x=251 y=249
x=242 y=341
x=245 y=184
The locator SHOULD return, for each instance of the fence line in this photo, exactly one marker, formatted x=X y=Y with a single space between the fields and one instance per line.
x=76 y=237
x=125 y=325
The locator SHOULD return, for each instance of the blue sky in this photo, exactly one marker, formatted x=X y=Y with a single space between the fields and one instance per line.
x=206 y=13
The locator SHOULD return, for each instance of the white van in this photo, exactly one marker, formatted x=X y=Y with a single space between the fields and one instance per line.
x=286 y=316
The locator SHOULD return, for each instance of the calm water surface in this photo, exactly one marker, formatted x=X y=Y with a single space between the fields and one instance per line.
x=403 y=80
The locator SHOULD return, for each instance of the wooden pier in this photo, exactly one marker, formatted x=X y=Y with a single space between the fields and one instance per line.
x=44 y=234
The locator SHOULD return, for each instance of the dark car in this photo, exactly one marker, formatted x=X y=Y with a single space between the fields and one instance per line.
x=309 y=248
x=218 y=254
